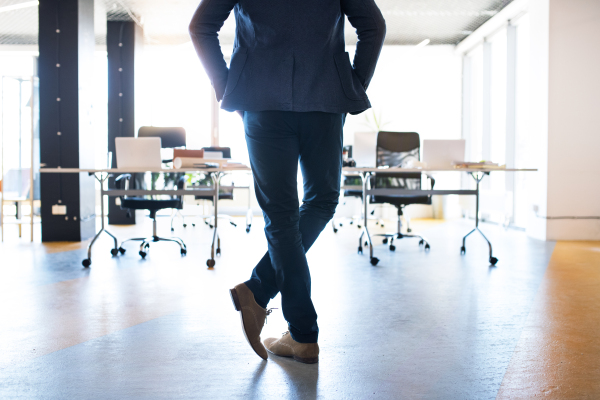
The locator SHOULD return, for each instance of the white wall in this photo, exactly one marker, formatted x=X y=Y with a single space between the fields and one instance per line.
x=574 y=119
x=568 y=185
x=414 y=90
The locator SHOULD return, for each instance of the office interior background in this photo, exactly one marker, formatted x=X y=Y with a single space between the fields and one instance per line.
x=518 y=80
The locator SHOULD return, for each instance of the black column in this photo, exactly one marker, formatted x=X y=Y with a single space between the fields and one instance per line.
x=66 y=46
x=123 y=43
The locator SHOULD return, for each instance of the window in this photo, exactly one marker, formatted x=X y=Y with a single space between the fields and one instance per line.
x=492 y=94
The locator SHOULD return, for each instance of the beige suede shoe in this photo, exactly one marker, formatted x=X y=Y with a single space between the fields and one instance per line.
x=252 y=315
x=286 y=346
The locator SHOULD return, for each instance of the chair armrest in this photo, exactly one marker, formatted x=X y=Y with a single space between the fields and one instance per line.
x=122 y=181
x=432 y=180
x=181 y=182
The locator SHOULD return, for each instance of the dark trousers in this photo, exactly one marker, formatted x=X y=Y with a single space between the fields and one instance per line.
x=276 y=141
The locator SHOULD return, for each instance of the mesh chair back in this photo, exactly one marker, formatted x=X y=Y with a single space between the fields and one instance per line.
x=396 y=149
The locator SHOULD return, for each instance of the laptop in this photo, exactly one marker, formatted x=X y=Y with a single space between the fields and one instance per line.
x=364 y=149
x=443 y=153
x=138 y=153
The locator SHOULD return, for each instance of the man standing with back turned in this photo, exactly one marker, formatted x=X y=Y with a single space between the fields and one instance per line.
x=292 y=82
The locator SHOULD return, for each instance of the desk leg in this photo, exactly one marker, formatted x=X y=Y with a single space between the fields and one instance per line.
x=216 y=177
x=249 y=212
x=493 y=260
x=115 y=250
x=365 y=230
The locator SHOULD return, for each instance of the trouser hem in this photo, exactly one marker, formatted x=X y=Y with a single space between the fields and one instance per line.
x=300 y=338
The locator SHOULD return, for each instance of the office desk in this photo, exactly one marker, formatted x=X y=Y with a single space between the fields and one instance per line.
x=477 y=174
x=102 y=175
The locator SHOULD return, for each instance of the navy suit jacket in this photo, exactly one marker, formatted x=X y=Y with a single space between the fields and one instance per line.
x=289 y=55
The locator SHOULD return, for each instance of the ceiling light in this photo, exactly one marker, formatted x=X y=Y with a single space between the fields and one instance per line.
x=19 y=6
x=423 y=43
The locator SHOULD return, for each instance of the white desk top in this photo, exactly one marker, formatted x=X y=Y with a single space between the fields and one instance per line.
x=396 y=170
x=245 y=168
x=141 y=170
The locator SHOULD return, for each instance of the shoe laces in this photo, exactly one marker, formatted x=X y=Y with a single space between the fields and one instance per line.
x=269 y=311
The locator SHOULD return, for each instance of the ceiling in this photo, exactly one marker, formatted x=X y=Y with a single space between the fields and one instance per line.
x=165 y=22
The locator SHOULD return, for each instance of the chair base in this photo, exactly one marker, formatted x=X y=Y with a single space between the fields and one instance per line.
x=145 y=245
x=389 y=237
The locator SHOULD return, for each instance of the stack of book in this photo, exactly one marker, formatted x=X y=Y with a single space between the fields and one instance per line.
x=201 y=159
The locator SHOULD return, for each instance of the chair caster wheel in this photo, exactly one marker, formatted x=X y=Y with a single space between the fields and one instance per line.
x=185 y=225
x=493 y=260
x=114 y=252
x=143 y=254
x=351 y=223
x=247 y=230
x=183 y=252
x=210 y=263
x=358 y=226
x=382 y=225
x=427 y=247
x=122 y=250
x=193 y=225
x=360 y=250
x=374 y=261
x=335 y=230
x=385 y=241
x=86 y=263
x=366 y=243
x=210 y=226
x=463 y=250
x=408 y=230
x=421 y=242
x=343 y=224
x=218 y=251
x=392 y=247
x=172 y=229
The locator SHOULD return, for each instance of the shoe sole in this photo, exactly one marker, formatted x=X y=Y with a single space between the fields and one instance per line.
x=299 y=359
x=238 y=307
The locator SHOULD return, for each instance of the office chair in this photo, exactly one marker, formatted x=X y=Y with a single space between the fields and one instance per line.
x=224 y=194
x=395 y=149
x=152 y=205
x=170 y=138
x=348 y=193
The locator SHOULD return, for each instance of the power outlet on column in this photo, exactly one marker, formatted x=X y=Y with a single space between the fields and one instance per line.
x=59 y=209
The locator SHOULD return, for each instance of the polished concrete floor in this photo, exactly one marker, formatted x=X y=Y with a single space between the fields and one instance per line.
x=419 y=325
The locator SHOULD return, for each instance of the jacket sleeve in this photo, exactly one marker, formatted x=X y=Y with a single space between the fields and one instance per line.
x=365 y=17
x=206 y=23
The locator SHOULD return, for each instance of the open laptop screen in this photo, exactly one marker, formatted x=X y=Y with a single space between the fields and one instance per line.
x=138 y=152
